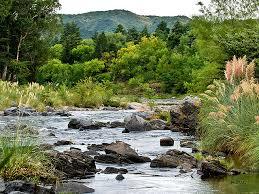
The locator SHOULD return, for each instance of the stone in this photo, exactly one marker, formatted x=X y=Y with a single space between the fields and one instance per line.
x=27 y=187
x=51 y=134
x=112 y=170
x=137 y=124
x=63 y=114
x=211 y=169
x=119 y=177
x=63 y=142
x=85 y=124
x=167 y=141
x=116 y=124
x=73 y=187
x=187 y=143
x=173 y=159
x=184 y=118
x=20 y=111
x=158 y=124
x=73 y=163
x=97 y=147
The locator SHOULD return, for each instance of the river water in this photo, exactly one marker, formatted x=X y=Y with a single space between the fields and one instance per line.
x=141 y=178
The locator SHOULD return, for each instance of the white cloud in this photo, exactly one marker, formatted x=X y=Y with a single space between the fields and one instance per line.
x=142 y=7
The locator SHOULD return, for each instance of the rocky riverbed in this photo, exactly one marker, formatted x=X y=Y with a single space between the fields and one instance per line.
x=95 y=149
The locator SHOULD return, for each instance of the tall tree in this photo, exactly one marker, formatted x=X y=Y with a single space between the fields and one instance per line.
x=70 y=39
x=120 y=29
x=176 y=33
x=144 y=32
x=162 y=31
x=101 y=45
x=133 y=35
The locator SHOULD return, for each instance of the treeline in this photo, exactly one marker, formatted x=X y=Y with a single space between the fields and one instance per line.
x=183 y=59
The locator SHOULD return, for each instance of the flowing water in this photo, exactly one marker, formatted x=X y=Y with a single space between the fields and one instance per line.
x=141 y=178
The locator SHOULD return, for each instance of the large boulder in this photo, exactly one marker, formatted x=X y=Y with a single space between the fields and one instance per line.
x=184 y=118
x=158 y=124
x=112 y=170
x=85 y=124
x=213 y=168
x=73 y=164
x=120 y=153
x=136 y=123
x=167 y=141
x=20 y=111
x=27 y=187
x=173 y=159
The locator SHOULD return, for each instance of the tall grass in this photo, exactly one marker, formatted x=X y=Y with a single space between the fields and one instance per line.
x=230 y=114
x=22 y=159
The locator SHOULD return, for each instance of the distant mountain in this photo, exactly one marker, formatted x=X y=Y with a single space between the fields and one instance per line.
x=107 y=21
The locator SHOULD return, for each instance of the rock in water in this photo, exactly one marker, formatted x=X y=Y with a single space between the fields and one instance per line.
x=73 y=187
x=212 y=169
x=136 y=123
x=168 y=141
x=85 y=124
x=112 y=170
x=63 y=142
x=119 y=177
x=173 y=159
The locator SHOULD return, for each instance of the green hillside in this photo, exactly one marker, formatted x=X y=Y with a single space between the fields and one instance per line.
x=107 y=21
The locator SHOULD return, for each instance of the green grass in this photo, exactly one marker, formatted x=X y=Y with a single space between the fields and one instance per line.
x=22 y=159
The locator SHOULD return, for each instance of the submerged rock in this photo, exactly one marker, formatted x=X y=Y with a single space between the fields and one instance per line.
x=20 y=111
x=119 y=177
x=213 y=168
x=73 y=187
x=167 y=141
x=116 y=124
x=173 y=159
x=73 y=164
x=63 y=142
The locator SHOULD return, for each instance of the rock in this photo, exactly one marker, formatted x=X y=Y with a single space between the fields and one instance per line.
x=2 y=185
x=63 y=114
x=138 y=106
x=119 y=177
x=158 y=124
x=125 y=131
x=85 y=124
x=27 y=187
x=235 y=172
x=112 y=170
x=120 y=153
x=51 y=134
x=91 y=153
x=96 y=147
x=167 y=141
x=63 y=142
x=213 y=168
x=187 y=143
x=20 y=111
x=173 y=159
x=73 y=187
x=184 y=118
x=116 y=124
x=75 y=149
x=136 y=123
x=109 y=108
x=46 y=146
x=73 y=164
x=49 y=109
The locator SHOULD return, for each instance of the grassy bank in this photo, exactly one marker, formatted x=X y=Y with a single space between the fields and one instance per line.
x=230 y=115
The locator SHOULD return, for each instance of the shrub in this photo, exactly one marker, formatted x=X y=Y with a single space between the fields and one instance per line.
x=229 y=116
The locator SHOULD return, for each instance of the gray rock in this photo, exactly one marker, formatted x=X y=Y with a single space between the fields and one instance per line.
x=73 y=187
x=167 y=141
x=119 y=177
x=187 y=143
x=173 y=159
x=85 y=124
x=116 y=124
x=112 y=170
x=2 y=185
x=20 y=111
x=27 y=187
x=158 y=124
x=63 y=142
x=136 y=123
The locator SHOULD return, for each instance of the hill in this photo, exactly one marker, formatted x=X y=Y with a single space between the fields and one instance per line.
x=107 y=21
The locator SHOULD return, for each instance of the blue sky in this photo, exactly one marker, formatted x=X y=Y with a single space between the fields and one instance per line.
x=142 y=7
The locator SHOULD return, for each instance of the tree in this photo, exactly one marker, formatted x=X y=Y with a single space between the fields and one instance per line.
x=230 y=9
x=120 y=29
x=101 y=44
x=133 y=35
x=144 y=32
x=175 y=35
x=162 y=31
x=27 y=27
x=70 y=39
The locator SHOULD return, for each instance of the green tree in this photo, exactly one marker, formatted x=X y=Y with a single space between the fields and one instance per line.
x=120 y=29
x=101 y=45
x=144 y=32
x=133 y=35
x=176 y=33
x=162 y=31
x=70 y=39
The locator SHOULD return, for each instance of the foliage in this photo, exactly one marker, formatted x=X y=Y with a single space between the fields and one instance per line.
x=229 y=115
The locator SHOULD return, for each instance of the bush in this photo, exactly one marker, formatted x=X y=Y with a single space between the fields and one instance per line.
x=230 y=117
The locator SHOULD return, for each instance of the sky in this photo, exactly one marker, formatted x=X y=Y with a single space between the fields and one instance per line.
x=141 y=7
